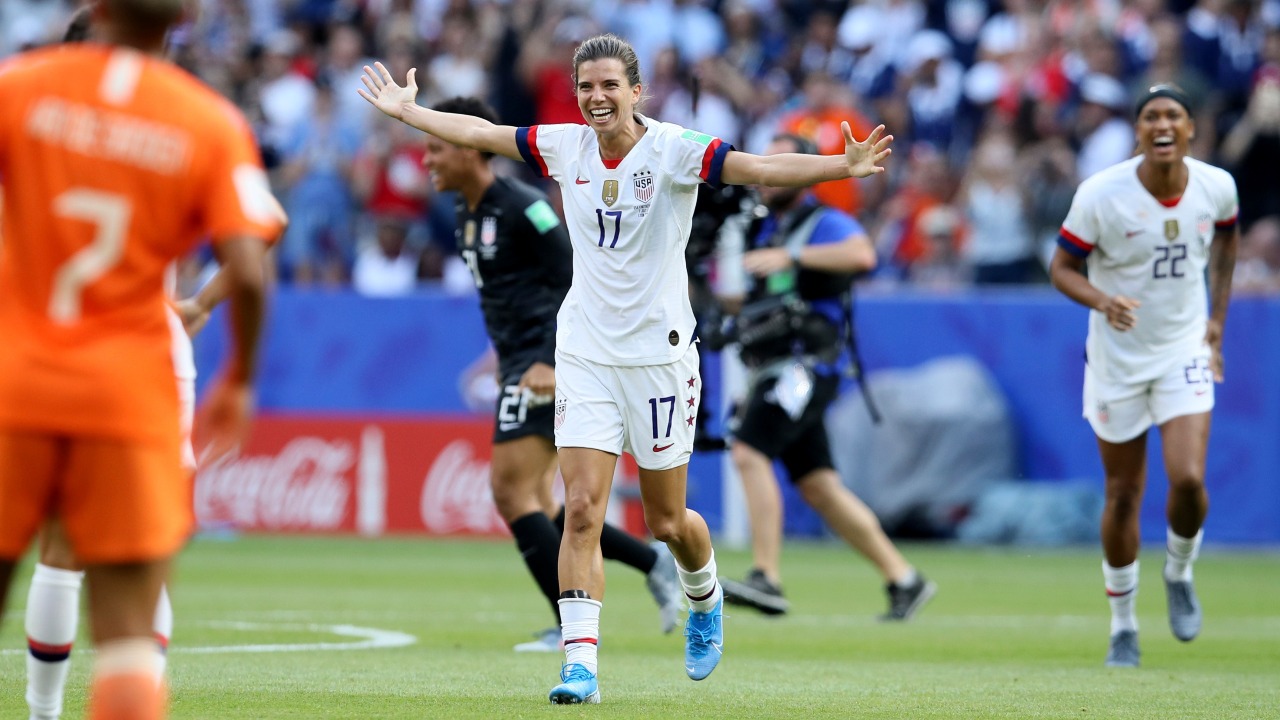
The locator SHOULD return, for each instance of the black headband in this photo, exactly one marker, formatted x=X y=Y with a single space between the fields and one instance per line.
x=1173 y=92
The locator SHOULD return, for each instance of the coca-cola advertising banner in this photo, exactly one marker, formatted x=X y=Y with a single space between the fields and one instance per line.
x=372 y=476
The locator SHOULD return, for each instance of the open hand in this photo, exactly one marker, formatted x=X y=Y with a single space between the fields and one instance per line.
x=864 y=157
x=383 y=92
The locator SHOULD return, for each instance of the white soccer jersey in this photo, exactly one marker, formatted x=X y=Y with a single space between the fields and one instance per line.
x=1154 y=252
x=629 y=224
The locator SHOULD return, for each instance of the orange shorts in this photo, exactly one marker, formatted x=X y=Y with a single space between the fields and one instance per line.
x=119 y=501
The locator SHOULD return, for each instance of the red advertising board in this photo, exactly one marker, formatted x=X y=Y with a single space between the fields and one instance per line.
x=351 y=474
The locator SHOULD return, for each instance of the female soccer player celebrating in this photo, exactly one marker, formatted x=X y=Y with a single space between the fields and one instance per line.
x=626 y=363
x=1147 y=228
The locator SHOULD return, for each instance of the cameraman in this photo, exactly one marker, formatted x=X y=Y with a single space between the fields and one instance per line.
x=794 y=327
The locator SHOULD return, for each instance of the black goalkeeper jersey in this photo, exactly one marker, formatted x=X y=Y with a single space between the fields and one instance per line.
x=519 y=254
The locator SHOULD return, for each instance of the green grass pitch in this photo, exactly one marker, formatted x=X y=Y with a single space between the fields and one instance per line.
x=1011 y=634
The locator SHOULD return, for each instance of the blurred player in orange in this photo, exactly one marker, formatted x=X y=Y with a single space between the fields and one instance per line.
x=114 y=162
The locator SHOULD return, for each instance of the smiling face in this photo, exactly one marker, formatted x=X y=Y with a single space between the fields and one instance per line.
x=1164 y=131
x=450 y=166
x=605 y=97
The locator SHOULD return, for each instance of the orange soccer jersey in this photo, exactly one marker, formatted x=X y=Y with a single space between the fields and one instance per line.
x=113 y=164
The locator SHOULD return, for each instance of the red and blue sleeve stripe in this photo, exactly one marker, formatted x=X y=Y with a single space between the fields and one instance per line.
x=713 y=161
x=1226 y=224
x=1072 y=243
x=527 y=143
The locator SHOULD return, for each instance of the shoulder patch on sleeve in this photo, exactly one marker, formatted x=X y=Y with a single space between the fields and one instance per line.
x=694 y=135
x=544 y=219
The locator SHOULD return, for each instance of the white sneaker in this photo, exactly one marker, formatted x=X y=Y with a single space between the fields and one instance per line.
x=548 y=641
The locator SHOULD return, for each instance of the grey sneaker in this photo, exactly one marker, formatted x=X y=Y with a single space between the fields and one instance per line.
x=906 y=600
x=664 y=584
x=755 y=591
x=1124 y=649
x=1184 y=609
x=548 y=641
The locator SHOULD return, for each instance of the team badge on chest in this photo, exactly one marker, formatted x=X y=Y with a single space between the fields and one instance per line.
x=488 y=231
x=610 y=192
x=642 y=185
x=1171 y=229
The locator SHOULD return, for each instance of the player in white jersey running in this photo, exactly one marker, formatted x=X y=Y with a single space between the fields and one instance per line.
x=1146 y=229
x=626 y=364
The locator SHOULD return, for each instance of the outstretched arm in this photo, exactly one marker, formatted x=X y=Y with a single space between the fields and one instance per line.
x=861 y=158
x=464 y=130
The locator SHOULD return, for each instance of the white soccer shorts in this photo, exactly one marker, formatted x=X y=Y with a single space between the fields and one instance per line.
x=1121 y=412
x=649 y=411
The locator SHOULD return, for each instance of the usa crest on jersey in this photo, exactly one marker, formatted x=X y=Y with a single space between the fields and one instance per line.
x=642 y=184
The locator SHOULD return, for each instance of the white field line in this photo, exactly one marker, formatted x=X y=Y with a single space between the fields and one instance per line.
x=368 y=638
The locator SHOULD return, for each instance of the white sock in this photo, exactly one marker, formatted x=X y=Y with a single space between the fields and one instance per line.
x=701 y=586
x=53 y=611
x=1122 y=591
x=1181 y=554
x=580 y=626
x=908 y=578
x=162 y=626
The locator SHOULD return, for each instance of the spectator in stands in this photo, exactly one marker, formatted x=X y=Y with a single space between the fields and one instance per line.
x=318 y=158
x=385 y=264
x=931 y=83
x=344 y=64
x=928 y=183
x=827 y=103
x=1106 y=137
x=285 y=95
x=1251 y=150
x=942 y=267
x=1258 y=264
x=1000 y=249
x=459 y=65
x=547 y=51
x=1049 y=176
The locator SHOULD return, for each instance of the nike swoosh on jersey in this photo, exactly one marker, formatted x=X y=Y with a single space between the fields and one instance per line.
x=580 y=181
x=660 y=449
x=1132 y=233
x=503 y=427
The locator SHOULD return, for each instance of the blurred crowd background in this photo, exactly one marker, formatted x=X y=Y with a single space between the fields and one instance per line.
x=999 y=109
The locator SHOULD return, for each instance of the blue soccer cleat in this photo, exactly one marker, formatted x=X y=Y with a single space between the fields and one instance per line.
x=704 y=641
x=579 y=686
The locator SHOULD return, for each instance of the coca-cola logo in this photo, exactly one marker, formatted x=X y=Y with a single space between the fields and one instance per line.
x=305 y=486
x=456 y=495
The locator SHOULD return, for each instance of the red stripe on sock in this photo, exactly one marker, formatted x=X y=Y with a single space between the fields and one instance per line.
x=48 y=649
x=589 y=641
x=162 y=641
x=1113 y=593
